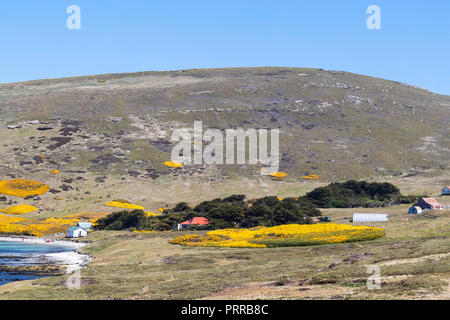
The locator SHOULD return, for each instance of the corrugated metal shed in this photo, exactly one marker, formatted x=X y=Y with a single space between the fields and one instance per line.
x=370 y=217
x=85 y=225
x=415 y=210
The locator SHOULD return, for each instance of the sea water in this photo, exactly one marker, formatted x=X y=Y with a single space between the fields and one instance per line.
x=22 y=254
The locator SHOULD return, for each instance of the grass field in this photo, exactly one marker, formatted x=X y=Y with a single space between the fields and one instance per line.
x=414 y=259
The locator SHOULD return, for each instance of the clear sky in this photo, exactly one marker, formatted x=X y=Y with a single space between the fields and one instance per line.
x=413 y=45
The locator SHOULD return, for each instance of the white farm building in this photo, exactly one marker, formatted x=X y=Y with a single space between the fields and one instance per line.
x=370 y=217
x=76 y=232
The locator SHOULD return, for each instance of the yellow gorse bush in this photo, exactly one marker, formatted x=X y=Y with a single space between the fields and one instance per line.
x=284 y=235
x=20 y=209
x=9 y=225
x=14 y=225
x=278 y=175
x=23 y=188
x=173 y=164
x=311 y=177
x=122 y=204
x=60 y=221
x=8 y=219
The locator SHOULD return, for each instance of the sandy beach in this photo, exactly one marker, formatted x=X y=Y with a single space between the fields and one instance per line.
x=72 y=259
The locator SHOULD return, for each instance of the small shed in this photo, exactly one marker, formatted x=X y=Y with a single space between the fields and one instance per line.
x=85 y=225
x=445 y=191
x=76 y=232
x=370 y=217
x=428 y=203
x=415 y=210
x=201 y=221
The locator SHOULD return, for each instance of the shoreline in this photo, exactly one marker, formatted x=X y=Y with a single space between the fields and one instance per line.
x=72 y=260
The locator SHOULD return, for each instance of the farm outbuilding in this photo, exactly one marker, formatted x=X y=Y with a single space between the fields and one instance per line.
x=85 y=225
x=200 y=221
x=445 y=191
x=415 y=210
x=370 y=217
x=76 y=232
x=428 y=203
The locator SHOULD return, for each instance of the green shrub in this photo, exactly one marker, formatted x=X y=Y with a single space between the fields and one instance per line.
x=353 y=193
x=123 y=220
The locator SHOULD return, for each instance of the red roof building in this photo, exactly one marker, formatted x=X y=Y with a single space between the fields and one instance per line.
x=428 y=203
x=195 y=220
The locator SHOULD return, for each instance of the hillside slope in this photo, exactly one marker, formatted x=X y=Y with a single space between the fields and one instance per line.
x=117 y=127
x=329 y=121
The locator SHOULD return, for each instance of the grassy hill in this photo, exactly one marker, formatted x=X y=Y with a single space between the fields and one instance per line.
x=110 y=134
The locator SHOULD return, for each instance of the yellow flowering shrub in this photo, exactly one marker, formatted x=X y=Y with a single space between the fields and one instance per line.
x=279 y=175
x=311 y=177
x=284 y=235
x=10 y=225
x=15 y=225
x=188 y=240
x=173 y=164
x=8 y=219
x=152 y=214
x=60 y=221
x=123 y=204
x=20 y=209
x=54 y=171
x=50 y=226
x=198 y=240
x=23 y=188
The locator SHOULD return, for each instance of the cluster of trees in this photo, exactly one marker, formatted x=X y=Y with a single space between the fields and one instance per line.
x=124 y=220
x=230 y=212
x=236 y=212
x=353 y=194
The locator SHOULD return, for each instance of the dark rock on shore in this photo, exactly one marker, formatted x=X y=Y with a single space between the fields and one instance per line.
x=48 y=270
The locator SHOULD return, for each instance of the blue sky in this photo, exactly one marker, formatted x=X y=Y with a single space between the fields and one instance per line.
x=413 y=45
